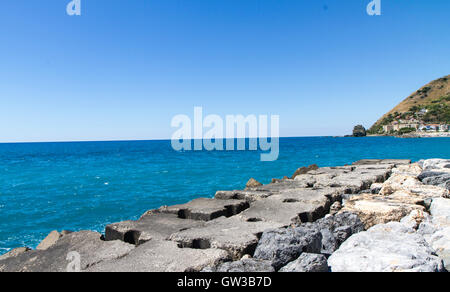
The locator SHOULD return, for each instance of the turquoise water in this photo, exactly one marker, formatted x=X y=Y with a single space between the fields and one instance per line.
x=78 y=186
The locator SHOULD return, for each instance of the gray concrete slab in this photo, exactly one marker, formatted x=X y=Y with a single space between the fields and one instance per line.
x=150 y=227
x=238 y=237
x=87 y=244
x=206 y=209
x=163 y=256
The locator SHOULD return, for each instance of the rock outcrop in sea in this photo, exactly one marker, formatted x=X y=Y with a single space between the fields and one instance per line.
x=359 y=131
x=373 y=215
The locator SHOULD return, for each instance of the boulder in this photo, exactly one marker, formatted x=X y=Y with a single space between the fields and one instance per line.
x=441 y=179
x=307 y=263
x=410 y=183
x=439 y=240
x=434 y=164
x=415 y=219
x=243 y=266
x=282 y=246
x=376 y=209
x=253 y=183
x=408 y=169
x=390 y=247
x=304 y=170
x=336 y=229
x=50 y=240
x=437 y=232
x=398 y=182
x=440 y=210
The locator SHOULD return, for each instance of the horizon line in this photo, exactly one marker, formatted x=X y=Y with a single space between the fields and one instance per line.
x=145 y=140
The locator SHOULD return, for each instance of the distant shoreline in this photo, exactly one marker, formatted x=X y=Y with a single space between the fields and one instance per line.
x=417 y=135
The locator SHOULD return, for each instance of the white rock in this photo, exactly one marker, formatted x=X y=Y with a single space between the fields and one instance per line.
x=415 y=218
x=434 y=164
x=440 y=210
x=390 y=247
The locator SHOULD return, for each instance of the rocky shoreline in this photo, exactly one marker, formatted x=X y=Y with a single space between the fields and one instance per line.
x=373 y=215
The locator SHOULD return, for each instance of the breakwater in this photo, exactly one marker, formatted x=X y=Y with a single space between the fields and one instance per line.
x=306 y=222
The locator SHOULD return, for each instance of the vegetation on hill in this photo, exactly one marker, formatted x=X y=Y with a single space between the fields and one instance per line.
x=430 y=105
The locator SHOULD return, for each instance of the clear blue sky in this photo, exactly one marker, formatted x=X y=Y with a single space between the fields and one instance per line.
x=123 y=69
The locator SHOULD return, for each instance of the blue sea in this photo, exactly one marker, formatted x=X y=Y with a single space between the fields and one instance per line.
x=87 y=185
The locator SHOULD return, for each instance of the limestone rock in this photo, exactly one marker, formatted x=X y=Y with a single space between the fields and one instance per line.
x=375 y=209
x=440 y=210
x=390 y=247
x=304 y=170
x=437 y=232
x=434 y=164
x=440 y=242
x=375 y=188
x=50 y=240
x=415 y=218
x=253 y=183
x=307 y=263
x=399 y=182
x=408 y=169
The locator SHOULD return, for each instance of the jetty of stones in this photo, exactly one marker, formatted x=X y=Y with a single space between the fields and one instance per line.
x=373 y=215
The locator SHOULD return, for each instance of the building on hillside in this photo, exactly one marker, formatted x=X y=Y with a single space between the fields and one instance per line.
x=443 y=128
x=388 y=128
x=432 y=127
x=401 y=124
x=398 y=126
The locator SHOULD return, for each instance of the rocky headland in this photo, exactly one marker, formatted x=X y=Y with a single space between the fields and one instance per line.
x=373 y=215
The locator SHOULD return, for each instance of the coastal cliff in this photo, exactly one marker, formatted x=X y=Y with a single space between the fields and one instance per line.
x=395 y=213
